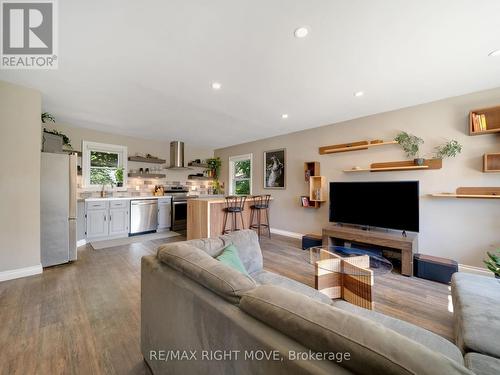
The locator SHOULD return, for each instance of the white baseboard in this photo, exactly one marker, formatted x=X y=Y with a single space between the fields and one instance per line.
x=475 y=270
x=81 y=243
x=20 y=272
x=286 y=233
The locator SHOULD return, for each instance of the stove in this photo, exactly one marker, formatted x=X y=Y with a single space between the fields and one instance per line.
x=179 y=206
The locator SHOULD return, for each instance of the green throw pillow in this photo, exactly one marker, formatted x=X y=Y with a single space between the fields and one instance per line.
x=230 y=257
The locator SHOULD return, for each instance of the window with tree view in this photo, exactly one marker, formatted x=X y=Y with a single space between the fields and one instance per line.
x=103 y=167
x=241 y=174
x=104 y=164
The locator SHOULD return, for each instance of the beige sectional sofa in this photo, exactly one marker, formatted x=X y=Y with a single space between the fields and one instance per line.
x=199 y=316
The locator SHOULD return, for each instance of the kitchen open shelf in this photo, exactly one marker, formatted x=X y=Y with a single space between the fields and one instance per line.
x=394 y=166
x=492 y=116
x=146 y=175
x=198 y=165
x=491 y=163
x=142 y=159
x=472 y=193
x=202 y=178
x=354 y=146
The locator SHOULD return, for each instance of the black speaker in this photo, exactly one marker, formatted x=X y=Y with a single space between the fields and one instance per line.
x=434 y=268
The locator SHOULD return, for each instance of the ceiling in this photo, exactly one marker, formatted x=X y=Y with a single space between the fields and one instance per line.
x=146 y=68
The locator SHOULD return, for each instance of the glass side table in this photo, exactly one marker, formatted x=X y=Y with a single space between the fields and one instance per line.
x=347 y=273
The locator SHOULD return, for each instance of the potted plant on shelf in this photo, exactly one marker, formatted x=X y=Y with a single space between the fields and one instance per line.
x=53 y=140
x=119 y=177
x=214 y=167
x=449 y=149
x=411 y=146
x=493 y=263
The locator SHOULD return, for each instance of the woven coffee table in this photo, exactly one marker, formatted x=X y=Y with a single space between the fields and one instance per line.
x=347 y=273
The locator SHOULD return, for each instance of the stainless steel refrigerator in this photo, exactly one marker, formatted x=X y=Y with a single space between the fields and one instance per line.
x=58 y=208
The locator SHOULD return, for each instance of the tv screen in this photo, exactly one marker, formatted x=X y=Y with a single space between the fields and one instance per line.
x=391 y=205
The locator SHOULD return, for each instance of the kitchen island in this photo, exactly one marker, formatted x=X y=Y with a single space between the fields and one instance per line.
x=205 y=217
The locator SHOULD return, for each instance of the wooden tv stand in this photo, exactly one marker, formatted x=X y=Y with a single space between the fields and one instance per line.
x=392 y=241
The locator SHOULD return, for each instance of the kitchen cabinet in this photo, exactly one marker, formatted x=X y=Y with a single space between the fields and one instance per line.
x=164 y=214
x=97 y=223
x=107 y=219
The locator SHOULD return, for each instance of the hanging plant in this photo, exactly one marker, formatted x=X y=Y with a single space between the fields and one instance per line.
x=65 y=138
x=449 y=149
x=47 y=117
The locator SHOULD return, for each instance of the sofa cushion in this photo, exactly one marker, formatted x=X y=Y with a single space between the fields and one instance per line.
x=270 y=278
x=230 y=257
x=212 y=246
x=481 y=364
x=248 y=246
x=476 y=304
x=422 y=336
x=373 y=348
x=205 y=270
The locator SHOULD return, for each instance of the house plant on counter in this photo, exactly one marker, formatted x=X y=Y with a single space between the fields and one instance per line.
x=493 y=263
x=119 y=177
x=411 y=146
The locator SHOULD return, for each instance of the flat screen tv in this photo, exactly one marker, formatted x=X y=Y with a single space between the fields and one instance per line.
x=392 y=205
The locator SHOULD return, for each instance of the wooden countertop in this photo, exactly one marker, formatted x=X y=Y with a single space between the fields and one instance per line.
x=216 y=200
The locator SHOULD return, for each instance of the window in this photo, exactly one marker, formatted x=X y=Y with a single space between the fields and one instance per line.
x=104 y=164
x=240 y=174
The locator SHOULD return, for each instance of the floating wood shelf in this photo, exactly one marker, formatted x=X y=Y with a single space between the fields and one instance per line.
x=492 y=115
x=354 y=146
x=472 y=193
x=491 y=163
x=146 y=175
x=202 y=178
x=311 y=168
x=405 y=165
x=198 y=165
x=141 y=159
x=317 y=189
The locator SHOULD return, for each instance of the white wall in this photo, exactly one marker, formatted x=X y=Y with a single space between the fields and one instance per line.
x=20 y=181
x=459 y=229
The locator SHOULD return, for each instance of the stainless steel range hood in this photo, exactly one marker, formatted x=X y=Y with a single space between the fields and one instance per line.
x=177 y=156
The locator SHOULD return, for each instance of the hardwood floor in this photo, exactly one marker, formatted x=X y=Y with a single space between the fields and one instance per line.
x=84 y=318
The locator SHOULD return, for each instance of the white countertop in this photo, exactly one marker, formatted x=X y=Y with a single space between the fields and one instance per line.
x=94 y=199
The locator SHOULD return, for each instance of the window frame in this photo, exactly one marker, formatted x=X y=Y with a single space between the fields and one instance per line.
x=232 y=180
x=88 y=147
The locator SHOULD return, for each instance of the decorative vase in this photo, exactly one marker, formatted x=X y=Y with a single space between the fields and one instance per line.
x=419 y=161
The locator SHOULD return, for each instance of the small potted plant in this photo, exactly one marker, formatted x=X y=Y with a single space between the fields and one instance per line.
x=493 y=263
x=411 y=146
x=214 y=165
x=449 y=149
x=119 y=177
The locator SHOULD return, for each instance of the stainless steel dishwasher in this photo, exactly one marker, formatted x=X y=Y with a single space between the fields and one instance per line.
x=143 y=216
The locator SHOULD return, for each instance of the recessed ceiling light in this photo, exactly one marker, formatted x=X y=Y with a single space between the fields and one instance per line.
x=216 y=85
x=284 y=116
x=495 y=53
x=301 y=32
x=358 y=94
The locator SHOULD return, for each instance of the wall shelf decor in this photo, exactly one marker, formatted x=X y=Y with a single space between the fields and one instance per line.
x=354 y=146
x=316 y=184
x=201 y=178
x=142 y=159
x=198 y=165
x=472 y=193
x=491 y=163
x=491 y=118
x=147 y=175
x=405 y=165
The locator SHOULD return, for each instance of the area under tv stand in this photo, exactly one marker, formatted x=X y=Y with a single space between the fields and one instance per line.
x=407 y=245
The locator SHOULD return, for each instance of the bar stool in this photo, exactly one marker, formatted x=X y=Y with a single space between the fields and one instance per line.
x=234 y=204
x=261 y=204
